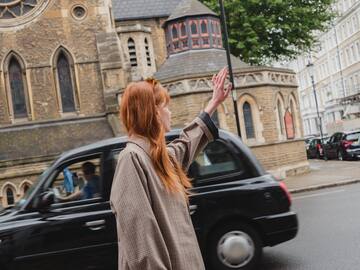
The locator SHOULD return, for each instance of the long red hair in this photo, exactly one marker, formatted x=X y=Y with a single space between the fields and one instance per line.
x=140 y=116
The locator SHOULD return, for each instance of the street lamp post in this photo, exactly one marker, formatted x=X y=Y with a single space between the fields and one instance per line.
x=311 y=70
x=227 y=48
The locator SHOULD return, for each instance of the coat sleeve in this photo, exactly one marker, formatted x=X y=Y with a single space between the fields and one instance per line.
x=193 y=138
x=139 y=237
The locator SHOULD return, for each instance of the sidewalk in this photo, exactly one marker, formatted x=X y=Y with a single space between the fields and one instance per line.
x=325 y=174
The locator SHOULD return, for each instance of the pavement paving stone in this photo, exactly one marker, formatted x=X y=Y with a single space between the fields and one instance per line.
x=325 y=174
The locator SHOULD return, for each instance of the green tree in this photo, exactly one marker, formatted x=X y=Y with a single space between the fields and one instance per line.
x=261 y=31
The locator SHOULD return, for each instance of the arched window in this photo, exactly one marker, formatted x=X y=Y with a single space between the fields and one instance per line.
x=26 y=188
x=204 y=27
x=280 y=115
x=194 y=29
x=174 y=32
x=147 y=51
x=183 y=29
x=10 y=196
x=132 y=52
x=17 y=88
x=248 y=119
x=65 y=83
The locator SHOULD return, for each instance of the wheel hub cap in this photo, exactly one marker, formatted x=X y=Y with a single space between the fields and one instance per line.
x=235 y=249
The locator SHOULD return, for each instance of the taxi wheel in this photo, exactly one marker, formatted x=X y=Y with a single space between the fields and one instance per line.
x=234 y=246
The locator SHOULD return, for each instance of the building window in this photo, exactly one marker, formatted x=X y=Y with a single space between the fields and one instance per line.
x=147 y=51
x=10 y=197
x=280 y=114
x=183 y=30
x=174 y=32
x=194 y=30
x=248 y=119
x=17 y=88
x=132 y=52
x=66 y=85
x=204 y=27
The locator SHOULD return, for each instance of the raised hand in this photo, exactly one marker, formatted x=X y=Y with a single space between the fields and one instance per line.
x=220 y=92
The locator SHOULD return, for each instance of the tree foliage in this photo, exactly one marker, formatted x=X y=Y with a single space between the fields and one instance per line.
x=261 y=31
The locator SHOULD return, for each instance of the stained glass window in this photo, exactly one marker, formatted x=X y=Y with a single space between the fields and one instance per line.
x=249 y=123
x=65 y=83
x=10 y=196
x=16 y=80
x=10 y=9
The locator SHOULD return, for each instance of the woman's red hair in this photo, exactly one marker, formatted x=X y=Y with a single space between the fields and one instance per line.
x=139 y=113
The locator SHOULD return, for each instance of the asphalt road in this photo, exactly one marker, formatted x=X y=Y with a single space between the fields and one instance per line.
x=329 y=234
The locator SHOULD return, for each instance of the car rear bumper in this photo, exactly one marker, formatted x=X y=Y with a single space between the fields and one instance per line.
x=353 y=153
x=278 y=228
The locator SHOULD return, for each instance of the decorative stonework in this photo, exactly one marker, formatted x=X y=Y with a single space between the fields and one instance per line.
x=265 y=77
x=16 y=12
x=242 y=80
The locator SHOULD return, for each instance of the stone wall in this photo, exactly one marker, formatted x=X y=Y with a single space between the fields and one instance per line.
x=279 y=155
x=36 y=42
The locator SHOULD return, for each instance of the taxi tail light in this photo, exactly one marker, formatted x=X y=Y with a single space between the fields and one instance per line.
x=284 y=188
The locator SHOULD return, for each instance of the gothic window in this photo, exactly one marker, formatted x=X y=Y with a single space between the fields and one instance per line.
x=17 y=83
x=147 y=51
x=10 y=9
x=174 y=32
x=183 y=29
x=194 y=29
x=204 y=27
x=132 y=52
x=10 y=196
x=26 y=188
x=66 y=85
x=248 y=119
x=280 y=113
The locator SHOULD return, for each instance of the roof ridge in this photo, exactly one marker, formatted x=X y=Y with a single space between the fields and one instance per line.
x=188 y=8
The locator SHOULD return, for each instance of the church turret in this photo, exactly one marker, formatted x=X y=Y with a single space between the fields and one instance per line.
x=192 y=26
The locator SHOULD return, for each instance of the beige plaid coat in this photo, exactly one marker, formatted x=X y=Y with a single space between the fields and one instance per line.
x=154 y=227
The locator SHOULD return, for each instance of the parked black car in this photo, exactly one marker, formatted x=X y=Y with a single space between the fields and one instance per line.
x=237 y=209
x=314 y=148
x=344 y=145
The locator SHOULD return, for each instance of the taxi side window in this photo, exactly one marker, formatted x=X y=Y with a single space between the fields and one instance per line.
x=80 y=180
x=216 y=159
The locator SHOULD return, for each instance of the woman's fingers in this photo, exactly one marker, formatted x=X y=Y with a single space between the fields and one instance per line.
x=214 y=79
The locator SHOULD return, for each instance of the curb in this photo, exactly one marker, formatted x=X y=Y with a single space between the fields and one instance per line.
x=329 y=185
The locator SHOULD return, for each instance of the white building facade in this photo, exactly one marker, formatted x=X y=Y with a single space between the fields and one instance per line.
x=336 y=75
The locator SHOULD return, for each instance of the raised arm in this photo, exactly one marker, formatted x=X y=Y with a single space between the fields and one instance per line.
x=202 y=130
x=193 y=138
x=131 y=203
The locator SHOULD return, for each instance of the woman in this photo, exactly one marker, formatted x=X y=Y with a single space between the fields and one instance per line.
x=149 y=194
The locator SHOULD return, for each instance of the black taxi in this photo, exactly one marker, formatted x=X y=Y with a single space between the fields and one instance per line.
x=237 y=209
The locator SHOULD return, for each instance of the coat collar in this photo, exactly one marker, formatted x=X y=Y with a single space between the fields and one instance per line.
x=141 y=142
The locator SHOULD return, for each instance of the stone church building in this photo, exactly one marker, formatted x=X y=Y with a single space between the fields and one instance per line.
x=64 y=64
